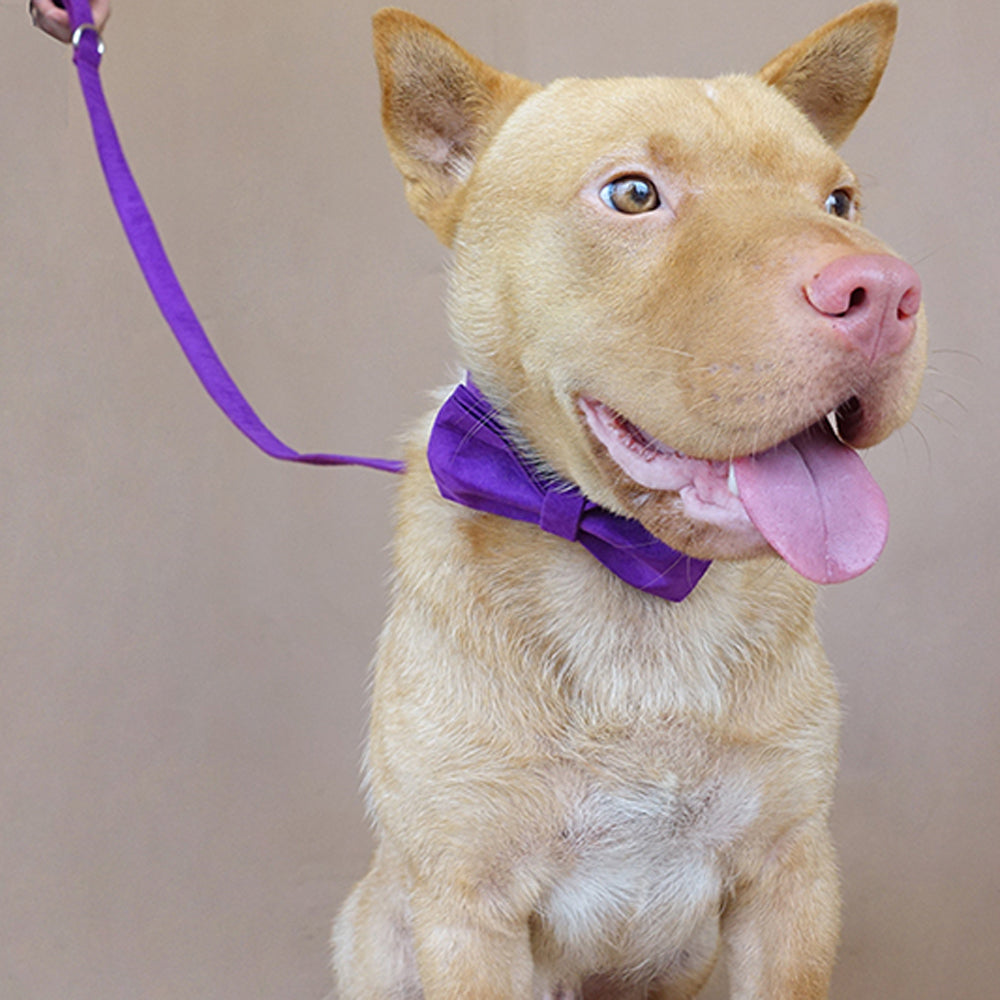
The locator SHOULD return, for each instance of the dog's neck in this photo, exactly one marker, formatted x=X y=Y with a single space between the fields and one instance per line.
x=475 y=463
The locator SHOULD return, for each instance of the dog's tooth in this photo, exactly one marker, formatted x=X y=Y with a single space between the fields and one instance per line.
x=731 y=482
x=832 y=420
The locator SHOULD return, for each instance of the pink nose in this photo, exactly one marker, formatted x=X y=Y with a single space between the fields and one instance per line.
x=872 y=299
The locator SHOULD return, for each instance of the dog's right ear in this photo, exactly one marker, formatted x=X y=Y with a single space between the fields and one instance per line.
x=440 y=107
x=832 y=75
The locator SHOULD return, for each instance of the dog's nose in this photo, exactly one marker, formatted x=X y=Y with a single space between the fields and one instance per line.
x=872 y=300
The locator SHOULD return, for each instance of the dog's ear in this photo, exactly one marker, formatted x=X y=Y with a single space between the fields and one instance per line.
x=440 y=107
x=833 y=74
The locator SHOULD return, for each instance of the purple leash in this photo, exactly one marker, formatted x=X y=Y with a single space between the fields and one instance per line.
x=472 y=459
x=148 y=249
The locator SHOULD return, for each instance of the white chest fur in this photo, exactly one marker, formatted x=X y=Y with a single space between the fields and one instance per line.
x=645 y=873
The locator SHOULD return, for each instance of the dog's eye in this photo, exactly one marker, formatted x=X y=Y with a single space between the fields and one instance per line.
x=841 y=203
x=631 y=195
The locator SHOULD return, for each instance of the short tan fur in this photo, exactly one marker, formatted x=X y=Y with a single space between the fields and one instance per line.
x=580 y=790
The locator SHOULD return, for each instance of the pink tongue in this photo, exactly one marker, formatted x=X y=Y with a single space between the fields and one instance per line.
x=816 y=504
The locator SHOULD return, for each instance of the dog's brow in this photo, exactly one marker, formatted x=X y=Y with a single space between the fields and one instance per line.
x=668 y=149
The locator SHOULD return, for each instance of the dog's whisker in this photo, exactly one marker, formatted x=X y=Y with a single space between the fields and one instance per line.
x=951 y=397
x=958 y=352
x=938 y=417
x=942 y=373
x=915 y=427
x=931 y=254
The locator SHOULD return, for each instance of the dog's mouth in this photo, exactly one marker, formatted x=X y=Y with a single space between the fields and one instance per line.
x=810 y=498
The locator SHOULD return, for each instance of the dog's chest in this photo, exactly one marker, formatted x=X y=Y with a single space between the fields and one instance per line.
x=645 y=861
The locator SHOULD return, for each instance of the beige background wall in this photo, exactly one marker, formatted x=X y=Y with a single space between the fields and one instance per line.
x=186 y=624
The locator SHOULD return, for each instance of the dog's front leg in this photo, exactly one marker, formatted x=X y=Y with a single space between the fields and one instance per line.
x=466 y=954
x=781 y=928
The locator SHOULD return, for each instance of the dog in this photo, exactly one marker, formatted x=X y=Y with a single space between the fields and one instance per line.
x=604 y=733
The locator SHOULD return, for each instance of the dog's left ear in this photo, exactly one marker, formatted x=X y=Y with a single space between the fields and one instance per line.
x=833 y=74
x=440 y=108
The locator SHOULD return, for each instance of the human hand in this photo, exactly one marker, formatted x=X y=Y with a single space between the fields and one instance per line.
x=49 y=16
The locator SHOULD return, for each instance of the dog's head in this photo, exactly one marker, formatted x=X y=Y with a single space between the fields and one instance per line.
x=664 y=286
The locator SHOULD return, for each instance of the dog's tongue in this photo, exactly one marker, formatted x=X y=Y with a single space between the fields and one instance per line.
x=816 y=504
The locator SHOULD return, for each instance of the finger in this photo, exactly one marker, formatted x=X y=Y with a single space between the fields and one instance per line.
x=54 y=20
x=101 y=11
x=46 y=16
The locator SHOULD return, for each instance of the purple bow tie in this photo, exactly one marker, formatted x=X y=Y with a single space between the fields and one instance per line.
x=475 y=465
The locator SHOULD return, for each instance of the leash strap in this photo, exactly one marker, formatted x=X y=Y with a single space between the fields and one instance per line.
x=155 y=265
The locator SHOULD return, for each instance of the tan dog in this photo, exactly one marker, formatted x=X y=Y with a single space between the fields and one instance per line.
x=581 y=789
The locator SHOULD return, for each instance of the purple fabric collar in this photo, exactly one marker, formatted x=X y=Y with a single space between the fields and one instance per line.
x=475 y=464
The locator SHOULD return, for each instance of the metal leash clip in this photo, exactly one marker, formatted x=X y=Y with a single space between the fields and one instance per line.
x=78 y=35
